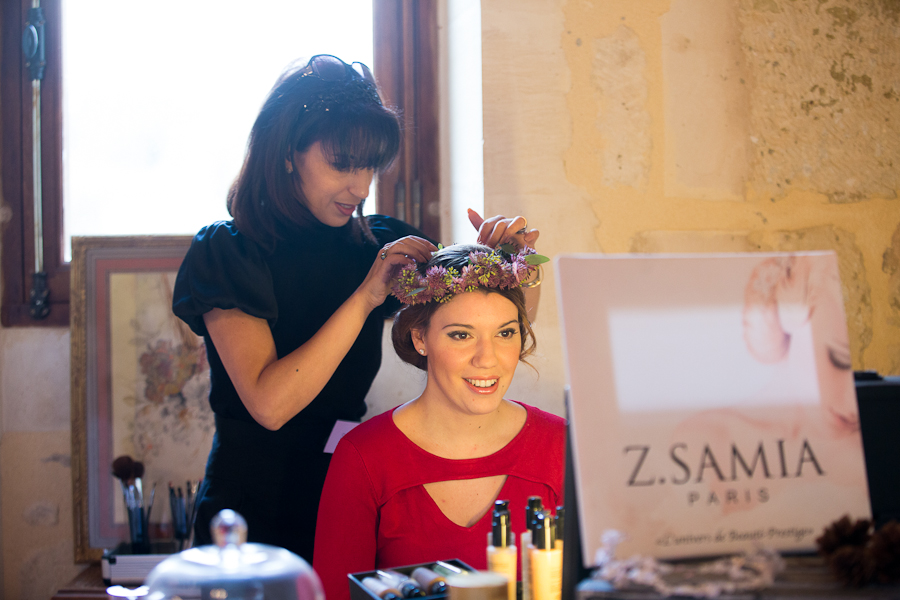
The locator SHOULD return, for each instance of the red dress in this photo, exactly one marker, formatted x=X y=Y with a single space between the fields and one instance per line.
x=375 y=512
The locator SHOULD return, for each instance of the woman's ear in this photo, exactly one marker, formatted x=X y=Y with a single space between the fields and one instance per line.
x=418 y=339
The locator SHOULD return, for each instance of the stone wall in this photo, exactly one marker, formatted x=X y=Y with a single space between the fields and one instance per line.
x=701 y=126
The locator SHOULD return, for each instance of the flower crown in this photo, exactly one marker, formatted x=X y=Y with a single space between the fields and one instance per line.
x=502 y=268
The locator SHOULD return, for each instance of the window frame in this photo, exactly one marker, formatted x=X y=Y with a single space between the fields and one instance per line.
x=406 y=60
x=17 y=213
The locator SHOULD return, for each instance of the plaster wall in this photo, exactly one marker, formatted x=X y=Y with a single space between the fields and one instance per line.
x=528 y=129
x=37 y=549
x=700 y=126
x=614 y=126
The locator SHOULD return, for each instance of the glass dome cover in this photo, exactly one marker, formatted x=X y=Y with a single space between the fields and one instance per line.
x=233 y=569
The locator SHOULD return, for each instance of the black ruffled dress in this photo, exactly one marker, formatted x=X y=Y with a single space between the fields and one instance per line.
x=274 y=478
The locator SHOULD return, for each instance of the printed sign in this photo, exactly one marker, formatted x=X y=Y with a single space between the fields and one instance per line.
x=712 y=402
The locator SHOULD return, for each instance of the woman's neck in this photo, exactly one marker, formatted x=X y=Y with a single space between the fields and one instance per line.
x=445 y=431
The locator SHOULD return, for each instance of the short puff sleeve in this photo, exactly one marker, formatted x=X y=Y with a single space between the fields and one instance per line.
x=223 y=269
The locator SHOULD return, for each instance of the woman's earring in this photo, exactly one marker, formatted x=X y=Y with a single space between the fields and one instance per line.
x=422 y=351
x=289 y=166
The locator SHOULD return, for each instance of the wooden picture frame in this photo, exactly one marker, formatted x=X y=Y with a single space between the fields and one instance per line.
x=139 y=383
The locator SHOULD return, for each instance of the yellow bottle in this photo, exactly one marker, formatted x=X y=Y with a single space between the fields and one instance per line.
x=501 y=550
x=559 y=526
x=546 y=561
x=535 y=505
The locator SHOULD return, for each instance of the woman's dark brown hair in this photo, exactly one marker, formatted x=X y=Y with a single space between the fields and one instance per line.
x=418 y=316
x=355 y=130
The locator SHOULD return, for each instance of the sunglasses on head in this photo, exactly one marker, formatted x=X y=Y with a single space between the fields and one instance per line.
x=330 y=68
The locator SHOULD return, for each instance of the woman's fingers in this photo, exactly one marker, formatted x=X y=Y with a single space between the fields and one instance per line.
x=484 y=227
x=489 y=230
x=394 y=255
x=409 y=247
x=475 y=219
x=390 y=259
x=499 y=230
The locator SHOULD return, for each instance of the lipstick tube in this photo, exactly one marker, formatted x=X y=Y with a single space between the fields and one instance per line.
x=432 y=583
x=380 y=589
x=400 y=582
x=446 y=569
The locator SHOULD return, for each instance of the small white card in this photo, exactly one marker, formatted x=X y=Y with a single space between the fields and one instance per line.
x=340 y=430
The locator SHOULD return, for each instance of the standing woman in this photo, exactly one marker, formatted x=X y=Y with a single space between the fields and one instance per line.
x=289 y=296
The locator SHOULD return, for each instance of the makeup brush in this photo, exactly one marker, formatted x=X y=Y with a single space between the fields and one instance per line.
x=123 y=470
x=173 y=509
x=150 y=503
x=182 y=519
x=195 y=488
x=123 y=467
x=137 y=471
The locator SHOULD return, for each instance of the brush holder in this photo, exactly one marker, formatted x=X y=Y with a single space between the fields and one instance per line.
x=138 y=529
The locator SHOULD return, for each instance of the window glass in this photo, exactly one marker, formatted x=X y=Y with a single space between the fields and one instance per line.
x=159 y=98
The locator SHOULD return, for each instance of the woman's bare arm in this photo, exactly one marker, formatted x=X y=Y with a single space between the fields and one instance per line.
x=274 y=390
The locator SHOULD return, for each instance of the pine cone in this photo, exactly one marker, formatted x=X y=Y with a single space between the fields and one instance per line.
x=844 y=532
x=884 y=553
x=849 y=564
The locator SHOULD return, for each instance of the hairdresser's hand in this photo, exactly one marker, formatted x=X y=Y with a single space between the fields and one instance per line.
x=501 y=230
x=392 y=257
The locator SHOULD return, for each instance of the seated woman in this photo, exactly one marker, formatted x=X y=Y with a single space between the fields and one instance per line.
x=416 y=484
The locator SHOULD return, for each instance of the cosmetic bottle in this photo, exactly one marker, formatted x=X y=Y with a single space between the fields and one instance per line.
x=381 y=589
x=432 y=583
x=534 y=504
x=559 y=525
x=501 y=550
x=480 y=585
x=446 y=569
x=546 y=561
x=400 y=582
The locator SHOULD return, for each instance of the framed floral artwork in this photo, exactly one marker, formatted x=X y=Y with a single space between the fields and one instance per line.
x=139 y=385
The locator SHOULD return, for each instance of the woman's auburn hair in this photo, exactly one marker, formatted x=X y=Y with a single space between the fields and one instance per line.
x=418 y=316
x=357 y=133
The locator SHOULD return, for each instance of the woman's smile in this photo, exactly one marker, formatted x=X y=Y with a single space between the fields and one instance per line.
x=346 y=209
x=472 y=344
x=483 y=383
x=483 y=386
